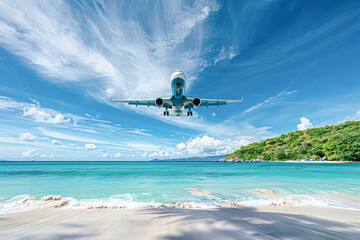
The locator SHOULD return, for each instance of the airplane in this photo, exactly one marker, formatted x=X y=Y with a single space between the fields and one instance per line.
x=178 y=102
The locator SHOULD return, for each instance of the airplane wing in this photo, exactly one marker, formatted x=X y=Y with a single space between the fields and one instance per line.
x=212 y=102
x=144 y=102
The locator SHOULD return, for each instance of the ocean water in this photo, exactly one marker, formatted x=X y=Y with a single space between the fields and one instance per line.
x=170 y=184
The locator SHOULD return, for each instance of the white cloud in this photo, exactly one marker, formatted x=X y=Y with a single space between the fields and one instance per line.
x=35 y=111
x=118 y=155
x=90 y=146
x=109 y=92
x=178 y=153
x=210 y=146
x=29 y=154
x=88 y=115
x=213 y=114
x=159 y=154
x=52 y=156
x=305 y=124
x=27 y=137
x=144 y=155
x=271 y=99
x=42 y=116
x=8 y=103
x=181 y=146
x=354 y=117
x=105 y=155
x=154 y=154
x=139 y=132
x=66 y=61
x=225 y=53
x=55 y=142
x=142 y=146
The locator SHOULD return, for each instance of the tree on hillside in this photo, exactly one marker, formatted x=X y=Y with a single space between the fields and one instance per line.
x=337 y=142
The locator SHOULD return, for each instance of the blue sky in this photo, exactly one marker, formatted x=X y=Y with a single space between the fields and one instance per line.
x=297 y=64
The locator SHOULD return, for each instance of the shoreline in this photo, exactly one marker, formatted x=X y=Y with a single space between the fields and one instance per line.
x=205 y=199
x=294 y=161
x=218 y=223
x=237 y=160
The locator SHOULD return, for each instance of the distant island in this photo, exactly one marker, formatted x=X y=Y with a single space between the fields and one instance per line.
x=336 y=142
x=192 y=159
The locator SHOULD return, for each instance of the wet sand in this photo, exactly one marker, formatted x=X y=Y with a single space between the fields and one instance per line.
x=167 y=223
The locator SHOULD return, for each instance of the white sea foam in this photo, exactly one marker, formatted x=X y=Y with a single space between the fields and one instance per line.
x=291 y=200
x=23 y=203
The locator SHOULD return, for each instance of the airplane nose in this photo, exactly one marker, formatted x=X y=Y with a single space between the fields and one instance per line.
x=178 y=74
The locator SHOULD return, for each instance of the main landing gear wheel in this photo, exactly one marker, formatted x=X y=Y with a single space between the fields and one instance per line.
x=189 y=113
x=166 y=113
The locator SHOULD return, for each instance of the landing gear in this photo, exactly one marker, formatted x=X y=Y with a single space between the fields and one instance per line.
x=166 y=112
x=189 y=113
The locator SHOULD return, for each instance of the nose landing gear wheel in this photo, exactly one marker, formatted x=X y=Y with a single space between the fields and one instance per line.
x=167 y=113
x=190 y=113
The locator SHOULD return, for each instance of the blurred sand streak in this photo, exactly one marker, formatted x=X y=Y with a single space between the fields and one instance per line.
x=168 y=223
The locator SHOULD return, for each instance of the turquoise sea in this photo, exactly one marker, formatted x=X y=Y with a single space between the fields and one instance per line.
x=150 y=184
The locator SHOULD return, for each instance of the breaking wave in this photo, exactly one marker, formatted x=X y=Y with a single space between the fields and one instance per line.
x=23 y=203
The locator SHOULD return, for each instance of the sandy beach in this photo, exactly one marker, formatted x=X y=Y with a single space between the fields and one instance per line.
x=217 y=223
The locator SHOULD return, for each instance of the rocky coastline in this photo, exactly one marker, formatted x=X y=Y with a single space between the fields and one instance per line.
x=237 y=159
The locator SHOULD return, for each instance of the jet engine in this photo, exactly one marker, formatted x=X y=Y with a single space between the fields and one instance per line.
x=159 y=102
x=196 y=102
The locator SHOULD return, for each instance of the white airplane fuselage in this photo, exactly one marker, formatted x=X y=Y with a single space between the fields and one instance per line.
x=178 y=85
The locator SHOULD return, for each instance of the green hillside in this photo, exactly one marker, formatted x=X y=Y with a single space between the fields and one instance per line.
x=337 y=142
